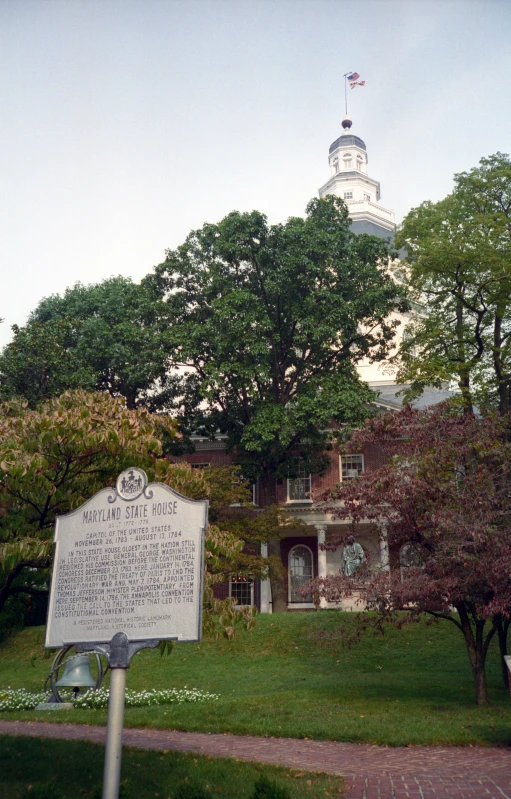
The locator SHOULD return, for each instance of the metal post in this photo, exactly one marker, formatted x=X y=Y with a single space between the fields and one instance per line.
x=112 y=775
x=119 y=652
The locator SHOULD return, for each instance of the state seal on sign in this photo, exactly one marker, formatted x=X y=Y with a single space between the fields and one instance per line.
x=131 y=483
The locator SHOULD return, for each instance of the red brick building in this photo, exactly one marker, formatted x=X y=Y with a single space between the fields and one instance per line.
x=302 y=556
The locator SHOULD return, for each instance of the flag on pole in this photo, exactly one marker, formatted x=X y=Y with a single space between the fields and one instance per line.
x=353 y=76
x=357 y=83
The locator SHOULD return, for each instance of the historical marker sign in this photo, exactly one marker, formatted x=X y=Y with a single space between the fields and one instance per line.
x=130 y=559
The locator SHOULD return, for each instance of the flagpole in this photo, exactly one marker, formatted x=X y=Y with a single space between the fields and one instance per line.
x=346 y=92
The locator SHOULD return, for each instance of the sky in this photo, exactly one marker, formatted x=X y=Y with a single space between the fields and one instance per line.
x=124 y=124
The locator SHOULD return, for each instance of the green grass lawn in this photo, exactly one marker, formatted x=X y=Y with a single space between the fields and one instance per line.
x=28 y=762
x=412 y=686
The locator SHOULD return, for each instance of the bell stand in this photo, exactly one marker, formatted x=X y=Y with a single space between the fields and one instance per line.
x=50 y=685
x=119 y=653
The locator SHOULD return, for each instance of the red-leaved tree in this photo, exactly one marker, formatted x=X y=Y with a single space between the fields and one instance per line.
x=443 y=501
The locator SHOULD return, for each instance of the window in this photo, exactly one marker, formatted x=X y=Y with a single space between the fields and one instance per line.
x=336 y=164
x=360 y=161
x=253 y=494
x=301 y=570
x=348 y=195
x=409 y=556
x=367 y=197
x=299 y=487
x=348 y=161
x=351 y=466
x=237 y=479
x=241 y=588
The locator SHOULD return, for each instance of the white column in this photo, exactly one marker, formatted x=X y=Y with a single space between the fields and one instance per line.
x=321 y=531
x=265 y=586
x=384 y=550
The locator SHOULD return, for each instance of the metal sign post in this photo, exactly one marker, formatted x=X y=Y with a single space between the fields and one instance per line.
x=119 y=653
x=113 y=751
x=130 y=559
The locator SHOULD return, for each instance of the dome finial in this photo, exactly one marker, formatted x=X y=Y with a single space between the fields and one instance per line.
x=347 y=123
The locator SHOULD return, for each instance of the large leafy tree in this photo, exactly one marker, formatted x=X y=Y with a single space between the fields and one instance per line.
x=53 y=458
x=39 y=363
x=442 y=502
x=269 y=322
x=458 y=265
x=110 y=336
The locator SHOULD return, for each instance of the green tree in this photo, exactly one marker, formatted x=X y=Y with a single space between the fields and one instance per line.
x=110 y=336
x=39 y=363
x=459 y=269
x=53 y=458
x=270 y=322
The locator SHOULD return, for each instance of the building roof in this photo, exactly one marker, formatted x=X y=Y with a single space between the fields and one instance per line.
x=390 y=395
x=372 y=229
x=348 y=141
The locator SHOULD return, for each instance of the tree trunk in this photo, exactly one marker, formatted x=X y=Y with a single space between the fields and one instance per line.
x=502 y=628
x=5 y=589
x=464 y=369
x=278 y=580
x=477 y=648
x=502 y=383
x=481 y=689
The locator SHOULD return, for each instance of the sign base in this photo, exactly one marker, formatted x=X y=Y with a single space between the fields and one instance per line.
x=55 y=706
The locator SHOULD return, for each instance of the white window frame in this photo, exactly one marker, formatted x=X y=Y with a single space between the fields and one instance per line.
x=348 y=195
x=253 y=490
x=342 y=461
x=303 y=478
x=303 y=602
x=232 y=578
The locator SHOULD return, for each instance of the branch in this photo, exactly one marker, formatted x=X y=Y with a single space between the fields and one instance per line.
x=444 y=616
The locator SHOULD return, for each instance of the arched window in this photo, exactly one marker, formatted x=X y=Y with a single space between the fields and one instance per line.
x=336 y=164
x=360 y=161
x=348 y=161
x=301 y=570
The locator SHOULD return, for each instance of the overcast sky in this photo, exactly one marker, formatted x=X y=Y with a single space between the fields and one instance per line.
x=124 y=124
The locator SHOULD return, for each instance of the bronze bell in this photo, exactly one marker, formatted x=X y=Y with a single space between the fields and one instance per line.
x=77 y=673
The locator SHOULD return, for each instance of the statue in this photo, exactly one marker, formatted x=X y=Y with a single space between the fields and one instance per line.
x=353 y=556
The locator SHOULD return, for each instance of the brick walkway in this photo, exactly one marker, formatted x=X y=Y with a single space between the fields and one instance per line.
x=370 y=772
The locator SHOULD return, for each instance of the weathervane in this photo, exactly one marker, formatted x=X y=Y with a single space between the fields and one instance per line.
x=353 y=79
